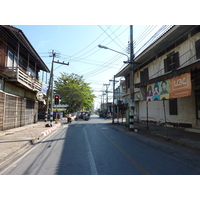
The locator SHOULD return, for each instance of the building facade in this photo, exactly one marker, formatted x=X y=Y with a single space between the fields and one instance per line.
x=19 y=81
x=167 y=79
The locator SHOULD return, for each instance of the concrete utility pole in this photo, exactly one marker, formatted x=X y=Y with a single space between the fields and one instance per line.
x=107 y=85
x=50 y=94
x=132 y=100
x=114 y=81
x=52 y=84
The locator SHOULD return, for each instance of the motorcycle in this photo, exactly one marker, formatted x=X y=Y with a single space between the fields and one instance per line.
x=87 y=118
x=69 y=120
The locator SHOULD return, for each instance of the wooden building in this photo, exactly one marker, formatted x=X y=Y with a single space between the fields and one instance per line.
x=19 y=82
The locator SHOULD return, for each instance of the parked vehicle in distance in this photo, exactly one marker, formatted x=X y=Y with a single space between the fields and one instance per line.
x=83 y=115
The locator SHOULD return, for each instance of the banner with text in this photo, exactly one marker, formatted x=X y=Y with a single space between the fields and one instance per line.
x=179 y=86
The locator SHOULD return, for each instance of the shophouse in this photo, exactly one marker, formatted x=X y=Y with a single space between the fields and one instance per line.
x=19 y=81
x=120 y=103
x=167 y=79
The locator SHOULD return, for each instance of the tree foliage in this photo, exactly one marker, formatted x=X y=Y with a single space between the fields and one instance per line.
x=74 y=92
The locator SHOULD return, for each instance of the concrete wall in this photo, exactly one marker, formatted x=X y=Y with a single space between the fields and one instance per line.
x=186 y=111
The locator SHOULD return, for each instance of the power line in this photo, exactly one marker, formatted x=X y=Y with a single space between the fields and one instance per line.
x=110 y=35
x=89 y=44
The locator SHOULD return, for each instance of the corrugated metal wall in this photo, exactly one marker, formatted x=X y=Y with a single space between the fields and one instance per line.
x=16 y=111
x=10 y=112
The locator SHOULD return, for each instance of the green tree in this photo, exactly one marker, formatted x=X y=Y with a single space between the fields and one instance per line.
x=74 y=92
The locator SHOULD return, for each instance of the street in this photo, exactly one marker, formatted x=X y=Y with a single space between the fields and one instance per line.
x=94 y=147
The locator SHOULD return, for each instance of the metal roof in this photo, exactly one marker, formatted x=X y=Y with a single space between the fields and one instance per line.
x=17 y=33
x=162 y=44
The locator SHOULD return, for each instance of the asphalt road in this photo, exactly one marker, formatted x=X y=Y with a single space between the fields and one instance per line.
x=96 y=148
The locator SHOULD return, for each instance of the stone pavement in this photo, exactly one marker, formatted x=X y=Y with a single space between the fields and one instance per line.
x=170 y=134
x=14 y=141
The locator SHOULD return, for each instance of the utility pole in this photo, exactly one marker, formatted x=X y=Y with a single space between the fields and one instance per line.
x=107 y=85
x=50 y=94
x=132 y=100
x=48 y=91
x=113 y=117
x=52 y=84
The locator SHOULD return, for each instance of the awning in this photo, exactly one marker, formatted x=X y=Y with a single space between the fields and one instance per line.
x=124 y=71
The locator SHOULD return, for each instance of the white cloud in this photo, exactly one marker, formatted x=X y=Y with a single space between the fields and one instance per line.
x=42 y=43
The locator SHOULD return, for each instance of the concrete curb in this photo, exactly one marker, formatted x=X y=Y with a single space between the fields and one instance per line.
x=21 y=148
x=8 y=157
x=163 y=137
x=44 y=133
x=174 y=140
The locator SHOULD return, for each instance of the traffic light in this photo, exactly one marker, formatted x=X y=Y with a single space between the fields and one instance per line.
x=56 y=99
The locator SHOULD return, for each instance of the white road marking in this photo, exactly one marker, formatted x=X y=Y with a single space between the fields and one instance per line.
x=90 y=156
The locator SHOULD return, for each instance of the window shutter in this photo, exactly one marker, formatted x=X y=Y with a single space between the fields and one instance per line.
x=197 y=46
x=176 y=60
x=141 y=76
x=146 y=74
x=165 y=65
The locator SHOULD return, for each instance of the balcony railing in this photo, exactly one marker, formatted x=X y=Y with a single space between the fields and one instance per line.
x=17 y=74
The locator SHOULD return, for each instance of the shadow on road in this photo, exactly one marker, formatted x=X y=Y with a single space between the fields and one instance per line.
x=74 y=158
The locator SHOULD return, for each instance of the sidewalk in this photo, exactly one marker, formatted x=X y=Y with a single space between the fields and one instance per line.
x=14 y=141
x=175 y=135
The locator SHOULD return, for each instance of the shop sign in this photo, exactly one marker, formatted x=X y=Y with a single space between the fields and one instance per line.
x=179 y=86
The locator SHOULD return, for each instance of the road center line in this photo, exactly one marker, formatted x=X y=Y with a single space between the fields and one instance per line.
x=90 y=155
x=139 y=167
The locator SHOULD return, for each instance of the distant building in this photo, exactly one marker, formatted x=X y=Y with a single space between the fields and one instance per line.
x=19 y=84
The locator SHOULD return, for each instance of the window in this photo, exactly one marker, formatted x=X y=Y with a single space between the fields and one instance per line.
x=15 y=61
x=173 y=108
x=144 y=75
x=171 y=62
x=197 y=46
x=10 y=59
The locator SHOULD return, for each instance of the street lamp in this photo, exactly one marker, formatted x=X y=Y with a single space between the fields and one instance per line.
x=103 y=47
x=131 y=62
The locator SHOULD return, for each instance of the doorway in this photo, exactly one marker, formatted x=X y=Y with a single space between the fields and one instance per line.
x=197 y=100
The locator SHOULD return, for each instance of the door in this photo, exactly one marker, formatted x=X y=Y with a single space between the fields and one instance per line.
x=197 y=99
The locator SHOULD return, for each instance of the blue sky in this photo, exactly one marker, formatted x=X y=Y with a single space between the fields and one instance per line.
x=78 y=45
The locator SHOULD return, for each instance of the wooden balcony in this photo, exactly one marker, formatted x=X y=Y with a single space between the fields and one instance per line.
x=21 y=78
